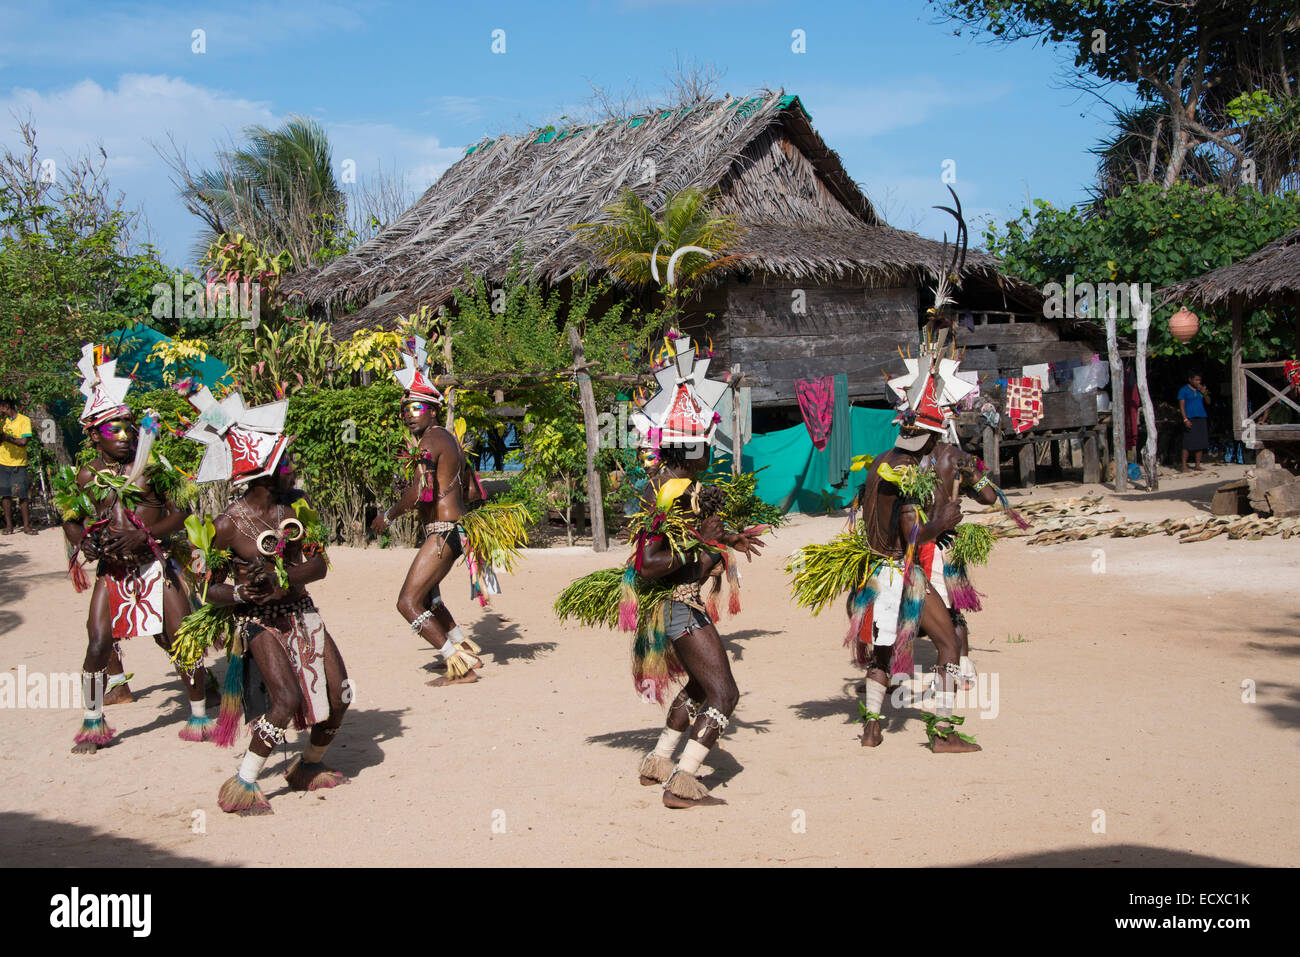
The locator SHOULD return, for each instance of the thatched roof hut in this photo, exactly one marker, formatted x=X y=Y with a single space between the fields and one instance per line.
x=1267 y=277
x=804 y=219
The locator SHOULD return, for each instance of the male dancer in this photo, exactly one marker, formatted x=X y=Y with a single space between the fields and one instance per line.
x=899 y=520
x=680 y=421
x=957 y=470
x=438 y=490
x=116 y=516
x=274 y=557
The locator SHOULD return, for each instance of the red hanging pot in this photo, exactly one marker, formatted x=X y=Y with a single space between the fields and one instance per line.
x=1183 y=325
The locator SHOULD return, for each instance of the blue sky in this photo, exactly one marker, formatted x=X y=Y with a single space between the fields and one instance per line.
x=410 y=85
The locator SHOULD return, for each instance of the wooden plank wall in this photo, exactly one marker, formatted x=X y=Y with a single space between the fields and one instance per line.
x=844 y=328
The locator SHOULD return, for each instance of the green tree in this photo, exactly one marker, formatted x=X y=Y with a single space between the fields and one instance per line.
x=511 y=339
x=631 y=237
x=1150 y=235
x=1190 y=57
x=278 y=188
x=66 y=273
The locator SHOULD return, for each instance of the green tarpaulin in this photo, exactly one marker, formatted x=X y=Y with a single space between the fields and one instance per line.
x=132 y=346
x=794 y=474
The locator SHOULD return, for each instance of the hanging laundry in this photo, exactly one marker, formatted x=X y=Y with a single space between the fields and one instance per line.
x=1039 y=371
x=817 y=404
x=840 y=450
x=1024 y=402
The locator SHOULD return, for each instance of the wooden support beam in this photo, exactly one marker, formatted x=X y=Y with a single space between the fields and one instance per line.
x=992 y=454
x=1028 y=472
x=737 y=440
x=1238 y=378
x=587 y=399
x=1091 y=461
x=451 y=393
x=1142 y=310
x=1116 y=402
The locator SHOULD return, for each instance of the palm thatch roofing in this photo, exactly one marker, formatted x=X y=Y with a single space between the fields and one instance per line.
x=802 y=216
x=1260 y=279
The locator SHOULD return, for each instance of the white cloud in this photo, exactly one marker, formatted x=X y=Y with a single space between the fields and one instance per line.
x=124 y=34
x=146 y=109
x=854 y=112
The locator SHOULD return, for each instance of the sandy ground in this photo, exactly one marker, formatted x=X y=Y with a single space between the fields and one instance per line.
x=1120 y=736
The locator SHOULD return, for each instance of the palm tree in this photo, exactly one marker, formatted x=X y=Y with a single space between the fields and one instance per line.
x=278 y=188
x=1138 y=152
x=639 y=248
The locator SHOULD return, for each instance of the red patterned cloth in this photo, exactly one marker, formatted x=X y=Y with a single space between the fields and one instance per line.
x=1024 y=403
x=135 y=600
x=1292 y=367
x=817 y=403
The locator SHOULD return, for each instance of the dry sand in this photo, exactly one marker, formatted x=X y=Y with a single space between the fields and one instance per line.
x=1118 y=694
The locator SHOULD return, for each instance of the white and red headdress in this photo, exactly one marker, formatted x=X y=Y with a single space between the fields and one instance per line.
x=681 y=412
x=242 y=443
x=104 y=389
x=415 y=376
x=927 y=392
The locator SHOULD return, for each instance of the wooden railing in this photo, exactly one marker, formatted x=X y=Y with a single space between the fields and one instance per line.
x=1248 y=425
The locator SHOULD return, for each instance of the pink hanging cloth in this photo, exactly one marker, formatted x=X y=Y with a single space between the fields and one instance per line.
x=817 y=403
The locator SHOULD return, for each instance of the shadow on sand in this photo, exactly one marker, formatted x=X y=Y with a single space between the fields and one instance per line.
x=30 y=841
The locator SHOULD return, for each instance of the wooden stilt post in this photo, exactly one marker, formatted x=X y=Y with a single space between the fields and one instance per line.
x=993 y=454
x=1238 y=378
x=595 y=497
x=1117 y=457
x=1028 y=469
x=1142 y=315
x=451 y=391
x=1091 y=461
x=737 y=439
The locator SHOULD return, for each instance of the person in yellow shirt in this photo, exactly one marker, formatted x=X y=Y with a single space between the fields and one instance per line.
x=15 y=433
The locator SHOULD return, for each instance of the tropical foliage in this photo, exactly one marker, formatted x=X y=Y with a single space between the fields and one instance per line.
x=1150 y=235
x=631 y=237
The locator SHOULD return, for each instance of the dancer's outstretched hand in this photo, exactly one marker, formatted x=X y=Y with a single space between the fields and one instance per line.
x=379 y=524
x=747 y=542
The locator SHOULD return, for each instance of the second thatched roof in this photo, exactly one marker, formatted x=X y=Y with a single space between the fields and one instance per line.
x=802 y=216
x=1260 y=279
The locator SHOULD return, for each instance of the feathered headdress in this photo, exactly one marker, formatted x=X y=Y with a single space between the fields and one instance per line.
x=104 y=389
x=242 y=443
x=415 y=377
x=681 y=412
x=926 y=393
x=930 y=387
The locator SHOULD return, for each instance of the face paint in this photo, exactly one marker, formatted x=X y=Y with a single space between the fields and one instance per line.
x=417 y=408
x=115 y=430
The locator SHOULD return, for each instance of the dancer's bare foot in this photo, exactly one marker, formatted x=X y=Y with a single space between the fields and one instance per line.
x=85 y=747
x=872 y=736
x=680 y=803
x=312 y=777
x=442 y=681
x=119 y=695
x=953 y=745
